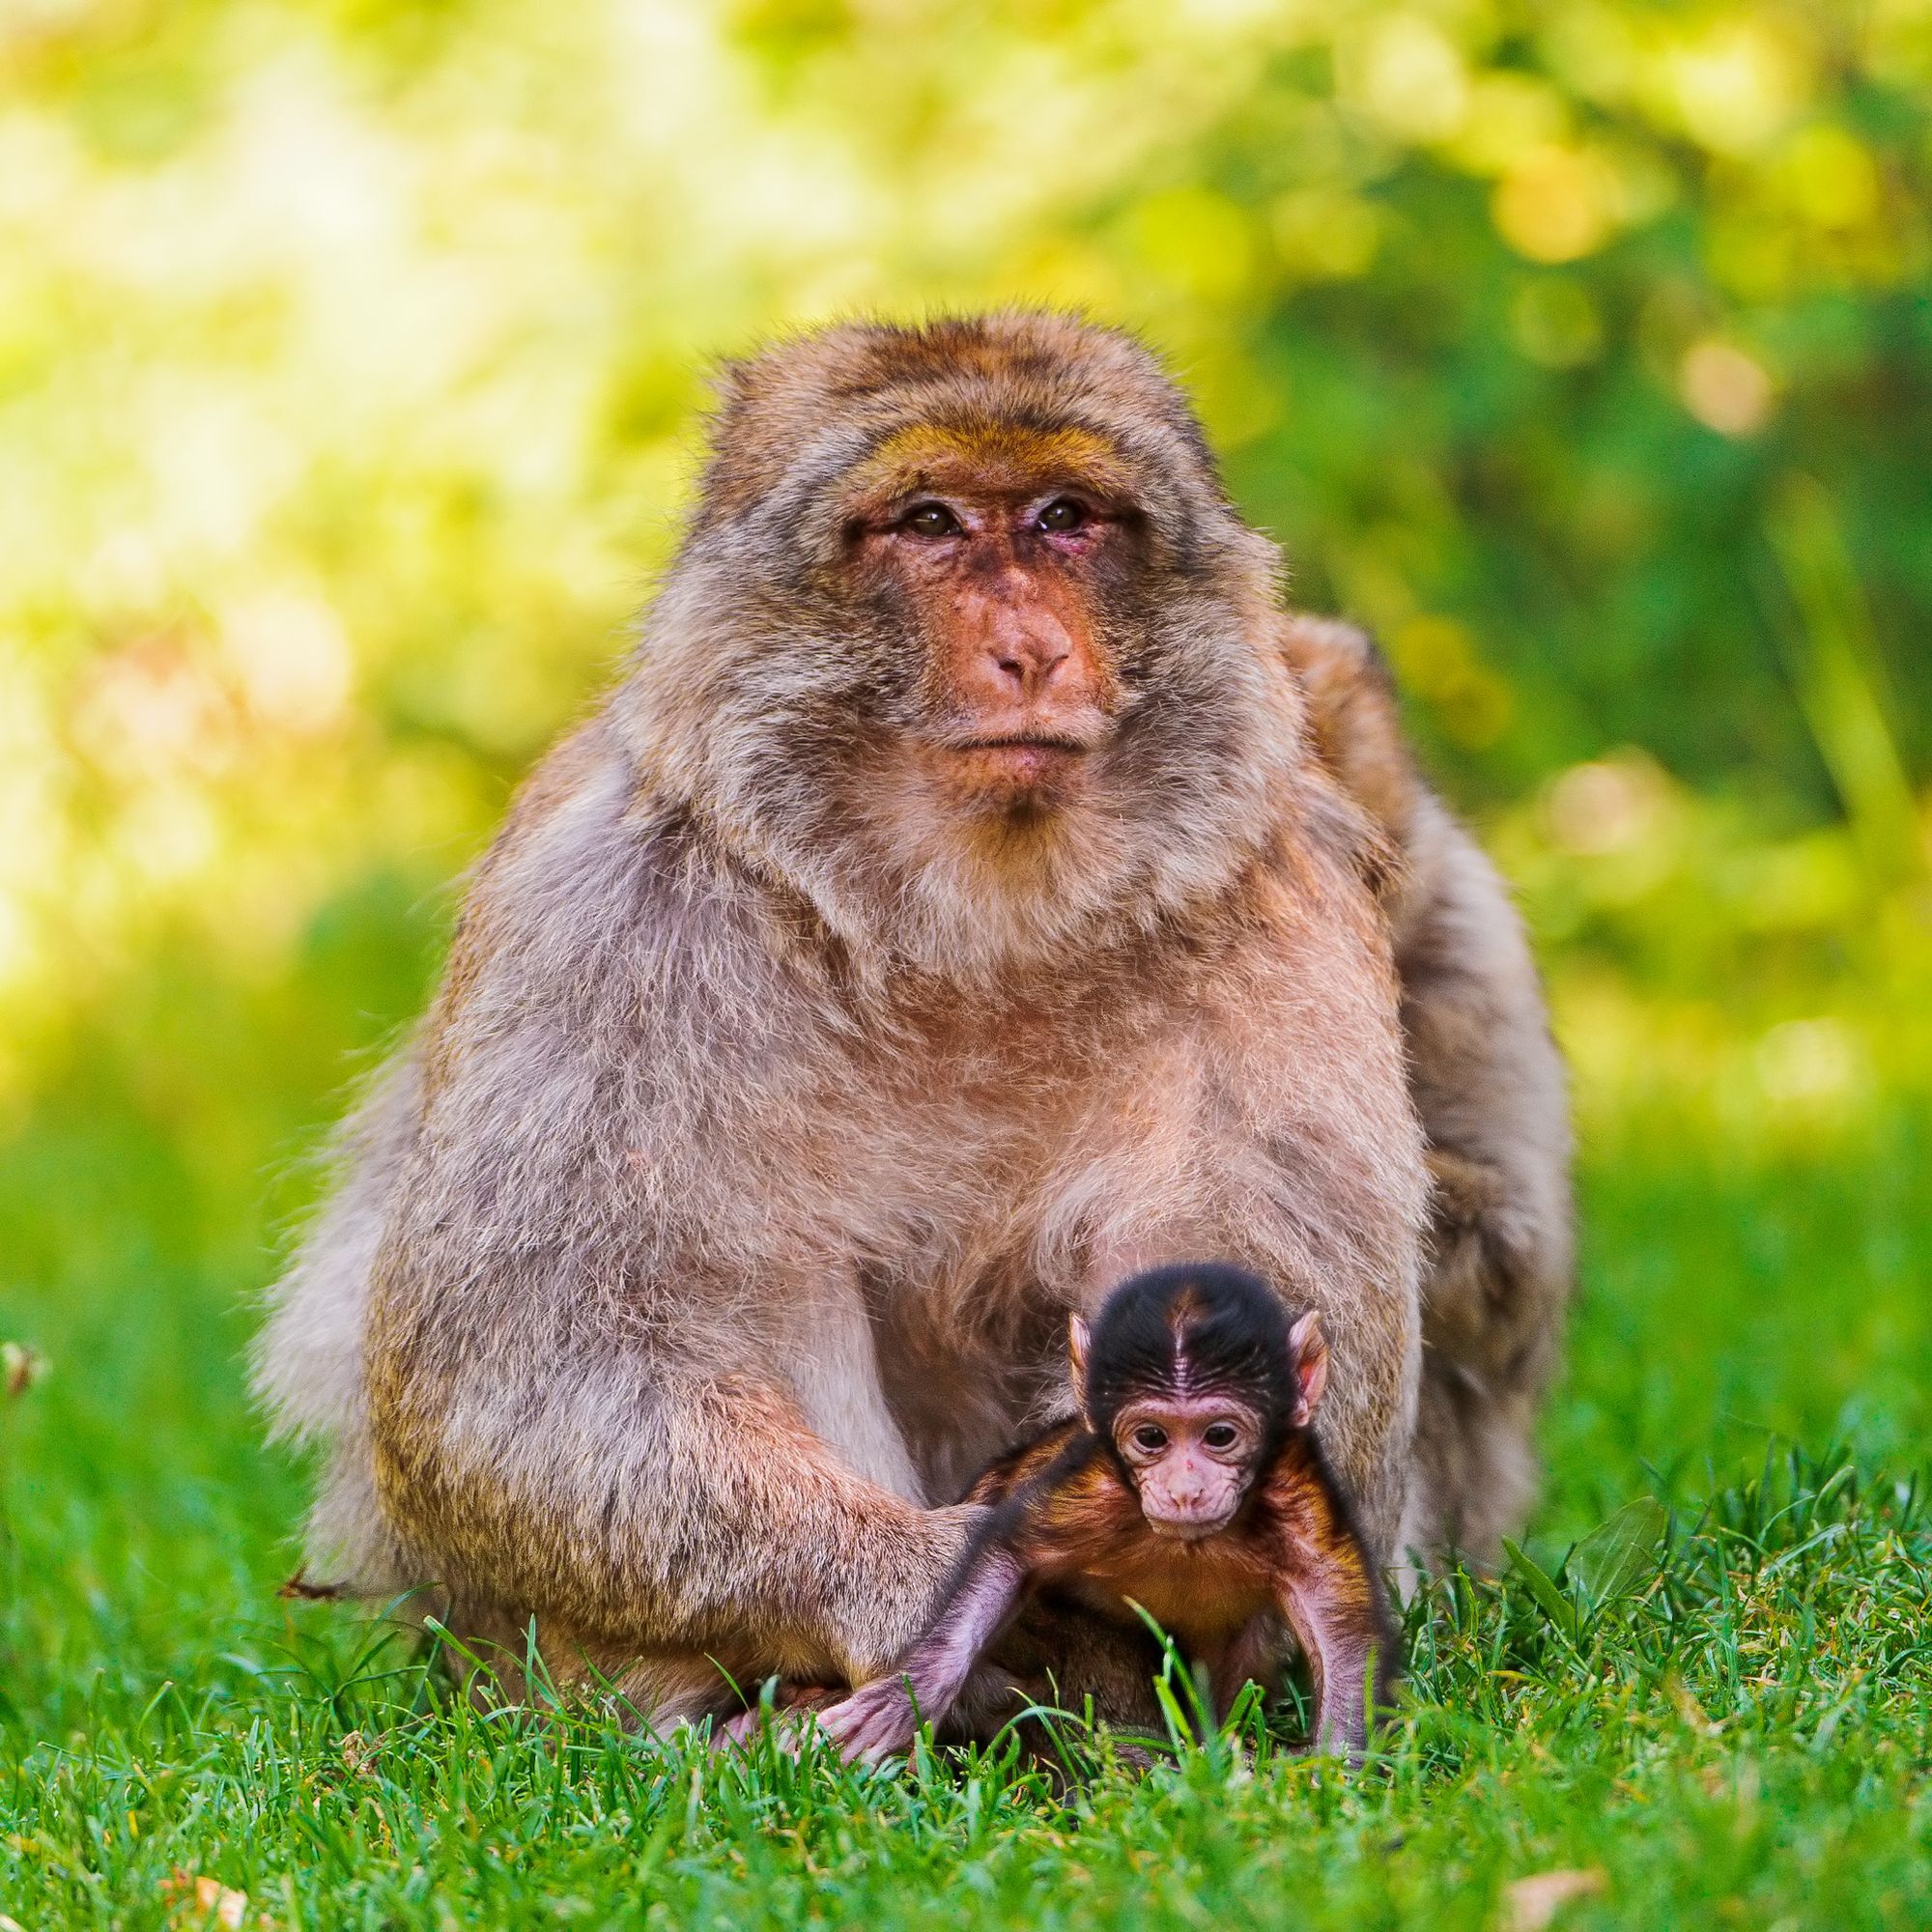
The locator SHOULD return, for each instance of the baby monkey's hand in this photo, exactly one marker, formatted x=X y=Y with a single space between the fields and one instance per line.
x=877 y=1721
x=793 y=1706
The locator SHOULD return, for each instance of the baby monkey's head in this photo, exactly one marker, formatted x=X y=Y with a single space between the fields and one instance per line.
x=1192 y=1374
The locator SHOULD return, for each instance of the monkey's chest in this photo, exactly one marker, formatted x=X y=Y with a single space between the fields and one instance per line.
x=1199 y=1594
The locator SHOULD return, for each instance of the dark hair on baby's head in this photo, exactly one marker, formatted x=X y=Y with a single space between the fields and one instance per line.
x=1192 y=1327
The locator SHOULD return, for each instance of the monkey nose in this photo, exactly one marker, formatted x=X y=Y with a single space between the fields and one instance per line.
x=1026 y=665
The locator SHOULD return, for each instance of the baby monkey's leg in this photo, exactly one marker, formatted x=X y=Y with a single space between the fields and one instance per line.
x=1253 y=1656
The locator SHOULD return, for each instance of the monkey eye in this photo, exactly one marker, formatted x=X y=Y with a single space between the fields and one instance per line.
x=1062 y=513
x=1219 y=1435
x=1150 y=1436
x=930 y=520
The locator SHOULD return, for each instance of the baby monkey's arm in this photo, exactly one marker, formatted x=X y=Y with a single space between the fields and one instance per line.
x=882 y=1718
x=1333 y=1601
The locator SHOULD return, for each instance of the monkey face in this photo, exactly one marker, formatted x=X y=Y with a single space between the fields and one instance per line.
x=1192 y=1459
x=968 y=646
x=1007 y=569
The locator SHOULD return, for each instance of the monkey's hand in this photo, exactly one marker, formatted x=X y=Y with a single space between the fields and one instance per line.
x=883 y=1716
x=873 y=1722
x=878 y=1720
x=791 y=1709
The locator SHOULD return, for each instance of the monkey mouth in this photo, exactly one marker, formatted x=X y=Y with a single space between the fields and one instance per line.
x=1018 y=759
x=1174 y=1530
x=1030 y=773
x=1025 y=741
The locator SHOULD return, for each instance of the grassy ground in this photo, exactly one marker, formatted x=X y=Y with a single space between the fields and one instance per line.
x=1732 y=1727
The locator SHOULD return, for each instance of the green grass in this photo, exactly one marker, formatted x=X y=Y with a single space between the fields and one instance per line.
x=1741 y=1739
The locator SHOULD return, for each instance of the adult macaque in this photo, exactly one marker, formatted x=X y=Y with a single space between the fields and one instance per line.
x=946 y=915
x=1190 y=1485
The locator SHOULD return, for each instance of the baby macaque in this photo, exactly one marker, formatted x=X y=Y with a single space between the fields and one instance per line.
x=1189 y=1484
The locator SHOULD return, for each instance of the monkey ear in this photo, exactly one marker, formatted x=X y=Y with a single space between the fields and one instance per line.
x=1309 y=1348
x=1078 y=1336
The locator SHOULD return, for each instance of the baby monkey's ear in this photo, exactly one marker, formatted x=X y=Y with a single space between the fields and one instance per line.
x=1308 y=1349
x=1078 y=1336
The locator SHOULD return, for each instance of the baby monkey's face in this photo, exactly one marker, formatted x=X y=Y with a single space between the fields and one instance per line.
x=1192 y=1459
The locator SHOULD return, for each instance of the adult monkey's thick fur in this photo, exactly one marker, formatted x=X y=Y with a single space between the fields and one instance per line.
x=1489 y=1088
x=725 y=1213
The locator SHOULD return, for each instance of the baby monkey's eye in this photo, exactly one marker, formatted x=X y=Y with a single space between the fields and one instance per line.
x=930 y=520
x=1219 y=1435
x=1062 y=513
x=1150 y=1436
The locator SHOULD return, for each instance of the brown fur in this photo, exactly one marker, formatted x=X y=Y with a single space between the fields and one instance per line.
x=1086 y=1536
x=1067 y=1527
x=1490 y=1087
x=725 y=1210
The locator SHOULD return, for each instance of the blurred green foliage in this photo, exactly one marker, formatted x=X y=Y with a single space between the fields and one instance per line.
x=352 y=359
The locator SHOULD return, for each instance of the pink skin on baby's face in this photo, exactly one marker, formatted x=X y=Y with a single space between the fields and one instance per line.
x=1192 y=1459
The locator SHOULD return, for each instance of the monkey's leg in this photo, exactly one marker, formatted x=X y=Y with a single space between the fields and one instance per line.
x=1489 y=1084
x=1491 y=1316
x=651 y=1514
x=1062 y=1656
x=1253 y=1656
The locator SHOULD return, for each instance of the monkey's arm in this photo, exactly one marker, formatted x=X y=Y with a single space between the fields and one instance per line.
x=652 y=1509
x=882 y=1718
x=1333 y=1599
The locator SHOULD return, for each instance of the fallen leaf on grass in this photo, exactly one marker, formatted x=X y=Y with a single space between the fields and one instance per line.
x=1530 y=1903
x=21 y=1368
x=195 y=1898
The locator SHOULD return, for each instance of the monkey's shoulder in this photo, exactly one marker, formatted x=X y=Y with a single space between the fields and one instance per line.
x=1300 y=1510
x=1352 y=719
x=603 y=903
x=1026 y=1462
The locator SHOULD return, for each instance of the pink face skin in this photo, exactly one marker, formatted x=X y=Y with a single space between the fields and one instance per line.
x=1192 y=1459
x=1002 y=582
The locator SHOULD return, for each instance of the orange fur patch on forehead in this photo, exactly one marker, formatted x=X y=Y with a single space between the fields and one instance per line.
x=996 y=453
x=1183 y=1313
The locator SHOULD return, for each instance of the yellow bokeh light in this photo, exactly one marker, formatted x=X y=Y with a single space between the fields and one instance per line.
x=1403 y=72
x=1725 y=388
x=1556 y=204
x=1195 y=239
x=1325 y=235
x=1833 y=179
x=1736 y=86
x=292 y=657
x=1510 y=115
